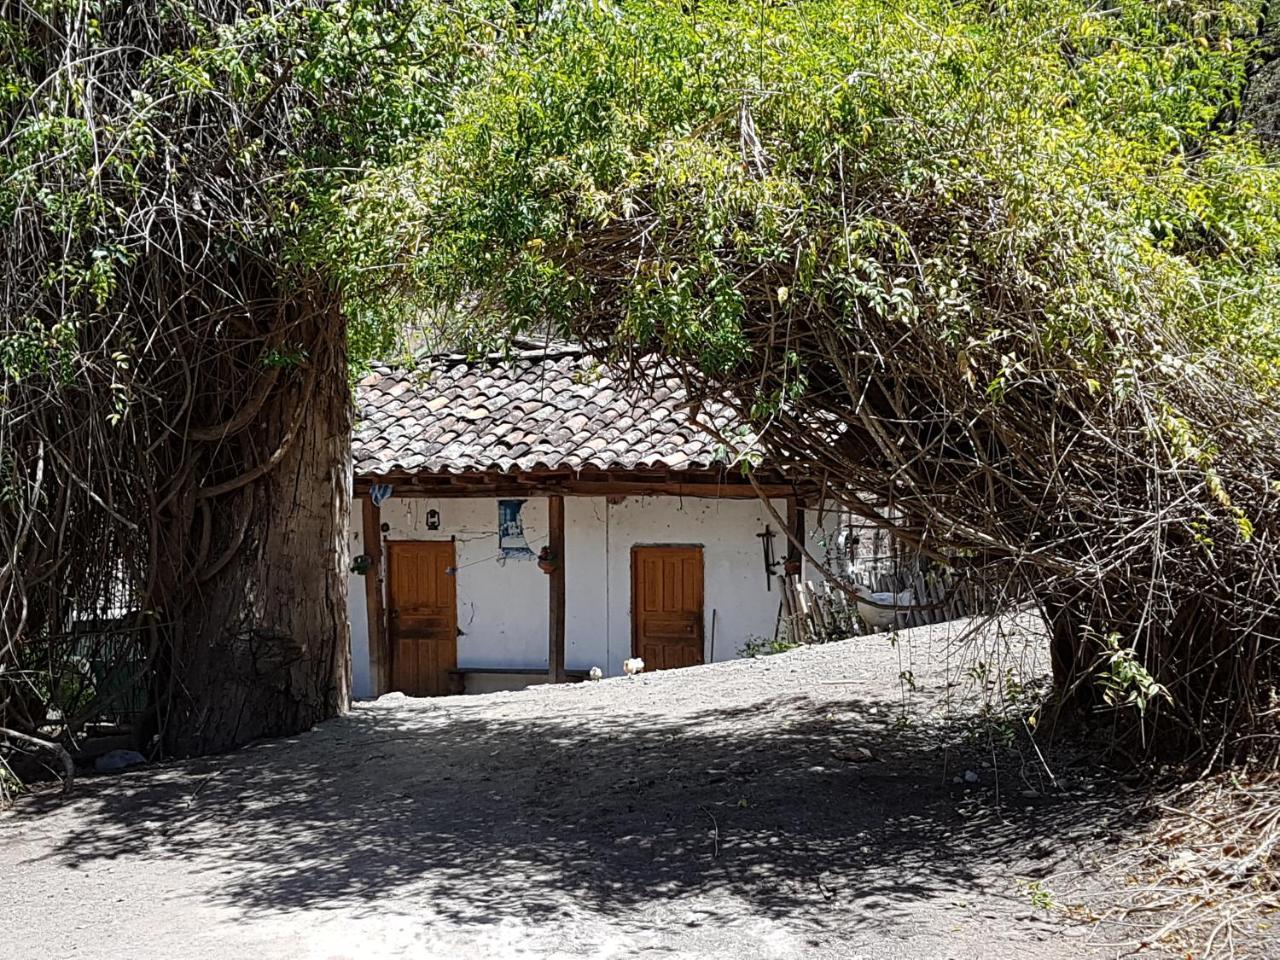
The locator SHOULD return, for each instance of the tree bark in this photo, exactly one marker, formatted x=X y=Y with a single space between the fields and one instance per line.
x=1071 y=652
x=1064 y=643
x=260 y=643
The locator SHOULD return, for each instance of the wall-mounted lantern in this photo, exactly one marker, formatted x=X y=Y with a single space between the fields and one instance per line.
x=433 y=519
x=360 y=564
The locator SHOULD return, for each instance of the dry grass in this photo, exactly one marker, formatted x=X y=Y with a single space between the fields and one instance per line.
x=1206 y=879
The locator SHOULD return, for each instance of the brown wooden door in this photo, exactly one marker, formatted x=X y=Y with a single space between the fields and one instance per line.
x=422 y=616
x=666 y=606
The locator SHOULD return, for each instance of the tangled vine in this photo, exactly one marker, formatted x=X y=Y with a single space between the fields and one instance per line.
x=175 y=407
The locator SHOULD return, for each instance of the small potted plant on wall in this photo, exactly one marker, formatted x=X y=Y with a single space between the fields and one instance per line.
x=546 y=560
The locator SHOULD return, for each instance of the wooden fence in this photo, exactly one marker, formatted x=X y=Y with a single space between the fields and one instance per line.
x=819 y=611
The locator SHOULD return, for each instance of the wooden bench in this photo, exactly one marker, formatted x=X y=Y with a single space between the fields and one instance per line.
x=458 y=676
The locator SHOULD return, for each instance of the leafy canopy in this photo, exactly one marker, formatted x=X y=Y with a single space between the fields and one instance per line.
x=670 y=171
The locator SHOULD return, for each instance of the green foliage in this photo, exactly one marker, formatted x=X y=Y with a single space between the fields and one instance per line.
x=1038 y=895
x=886 y=157
x=297 y=101
x=30 y=349
x=755 y=646
x=1122 y=678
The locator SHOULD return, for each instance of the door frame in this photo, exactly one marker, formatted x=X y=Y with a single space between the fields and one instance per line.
x=388 y=604
x=702 y=576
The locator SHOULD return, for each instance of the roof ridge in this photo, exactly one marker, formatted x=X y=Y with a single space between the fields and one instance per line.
x=519 y=349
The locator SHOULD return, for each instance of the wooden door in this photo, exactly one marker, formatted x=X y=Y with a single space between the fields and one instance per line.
x=666 y=606
x=422 y=616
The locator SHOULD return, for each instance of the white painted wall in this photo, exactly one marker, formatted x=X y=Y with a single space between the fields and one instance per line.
x=502 y=606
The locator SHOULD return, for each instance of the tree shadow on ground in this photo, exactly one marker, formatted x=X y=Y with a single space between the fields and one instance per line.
x=766 y=810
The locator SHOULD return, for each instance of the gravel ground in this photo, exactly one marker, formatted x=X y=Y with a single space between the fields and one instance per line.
x=722 y=811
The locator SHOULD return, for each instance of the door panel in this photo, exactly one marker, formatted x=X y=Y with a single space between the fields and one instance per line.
x=666 y=606
x=422 y=616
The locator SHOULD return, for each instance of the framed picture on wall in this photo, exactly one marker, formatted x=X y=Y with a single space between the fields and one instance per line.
x=512 y=544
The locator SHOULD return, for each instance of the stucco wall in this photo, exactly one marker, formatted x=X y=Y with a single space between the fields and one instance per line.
x=502 y=606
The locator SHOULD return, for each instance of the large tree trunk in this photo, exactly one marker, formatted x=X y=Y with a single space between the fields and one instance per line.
x=261 y=643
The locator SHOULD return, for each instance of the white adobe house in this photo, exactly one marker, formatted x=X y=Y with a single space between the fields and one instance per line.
x=525 y=519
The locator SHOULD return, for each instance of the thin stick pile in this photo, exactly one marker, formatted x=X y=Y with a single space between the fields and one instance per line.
x=1210 y=873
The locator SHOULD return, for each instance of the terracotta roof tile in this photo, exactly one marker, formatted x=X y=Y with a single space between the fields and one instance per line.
x=534 y=411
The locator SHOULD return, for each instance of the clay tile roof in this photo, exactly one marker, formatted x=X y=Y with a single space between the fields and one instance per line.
x=541 y=410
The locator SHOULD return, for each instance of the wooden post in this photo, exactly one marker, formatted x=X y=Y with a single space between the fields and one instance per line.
x=793 y=509
x=379 y=661
x=795 y=526
x=555 y=651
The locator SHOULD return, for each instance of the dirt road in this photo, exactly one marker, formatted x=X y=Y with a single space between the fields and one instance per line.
x=784 y=807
